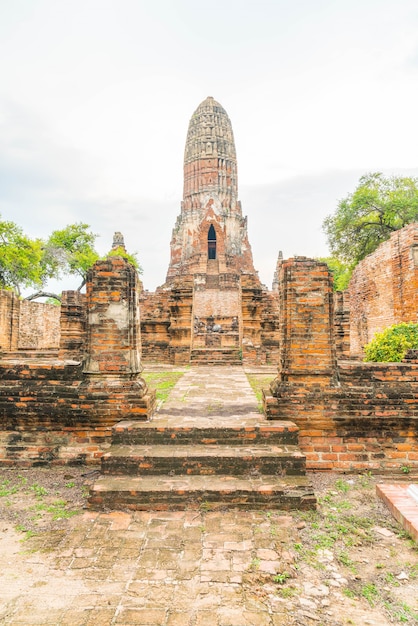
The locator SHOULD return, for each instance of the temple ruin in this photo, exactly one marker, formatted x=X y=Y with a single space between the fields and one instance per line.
x=70 y=377
x=212 y=307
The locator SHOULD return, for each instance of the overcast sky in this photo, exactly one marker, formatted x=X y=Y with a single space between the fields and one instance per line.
x=96 y=97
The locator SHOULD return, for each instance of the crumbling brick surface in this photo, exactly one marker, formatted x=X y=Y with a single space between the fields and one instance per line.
x=27 y=325
x=353 y=416
x=57 y=411
x=384 y=288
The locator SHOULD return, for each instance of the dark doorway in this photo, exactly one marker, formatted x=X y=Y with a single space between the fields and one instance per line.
x=211 y=243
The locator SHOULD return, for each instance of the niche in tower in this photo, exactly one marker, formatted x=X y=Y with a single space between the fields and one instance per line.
x=211 y=243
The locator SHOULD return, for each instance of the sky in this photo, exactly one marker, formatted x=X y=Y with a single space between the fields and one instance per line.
x=96 y=97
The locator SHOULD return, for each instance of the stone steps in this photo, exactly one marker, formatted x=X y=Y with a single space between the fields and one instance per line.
x=243 y=462
x=215 y=356
x=207 y=431
x=205 y=460
x=159 y=493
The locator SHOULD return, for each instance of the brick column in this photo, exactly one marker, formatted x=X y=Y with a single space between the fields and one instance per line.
x=112 y=366
x=9 y=321
x=342 y=324
x=113 y=335
x=72 y=325
x=307 y=361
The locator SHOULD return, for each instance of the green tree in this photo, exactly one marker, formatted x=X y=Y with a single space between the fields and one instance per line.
x=20 y=259
x=131 y=258
x=70 y=251
x=365 y=218
x=340 y=272
x=392 y=344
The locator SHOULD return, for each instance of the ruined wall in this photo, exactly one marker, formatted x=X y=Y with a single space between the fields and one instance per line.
x=342 y=324
x=384 y=288
x=155 y=323
x=57 y=412
x=39 y=326
x=352 y=417
x=72 y=325
x=26 y=325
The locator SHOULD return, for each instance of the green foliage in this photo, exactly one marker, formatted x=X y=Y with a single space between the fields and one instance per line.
x=20 y=259
x=70 y=251
x=365 y=218
x=341 y=272
x=392 y=344
x=131 y=258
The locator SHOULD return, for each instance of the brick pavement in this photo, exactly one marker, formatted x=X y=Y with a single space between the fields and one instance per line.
x=176 y=568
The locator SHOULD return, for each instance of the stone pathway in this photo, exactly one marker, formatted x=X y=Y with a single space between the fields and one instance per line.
x=179 y=568
x=213 y=395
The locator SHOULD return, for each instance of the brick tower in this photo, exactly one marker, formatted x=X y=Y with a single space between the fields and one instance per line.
x=212 y=307
x=210 y=232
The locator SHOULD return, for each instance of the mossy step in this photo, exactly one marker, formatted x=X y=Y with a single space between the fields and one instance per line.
x=203 y=431
x=209 y=459
x=198 y=492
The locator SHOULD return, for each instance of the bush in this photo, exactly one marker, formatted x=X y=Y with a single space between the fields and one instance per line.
x=392 y=344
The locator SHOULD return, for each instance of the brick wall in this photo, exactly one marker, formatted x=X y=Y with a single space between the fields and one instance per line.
x=384 y=288
x=59 y=412
x=9 y=320
x=352 y=417
x=39 y=326
x=72 y=325
x=27 y=325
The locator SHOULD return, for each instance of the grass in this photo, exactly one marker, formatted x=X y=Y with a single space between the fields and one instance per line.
x=162 y=382
x=42 y=505
x=344 y=530
x=259 y=382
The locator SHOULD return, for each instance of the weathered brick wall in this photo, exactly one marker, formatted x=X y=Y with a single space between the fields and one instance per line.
x=181 y=310
x=354 y=417
x=342 y=324
x=307 y=342
x=39 y=326
x=57 y=412
x=26 y=325
x=155 y=323
x=384 y=288
x=9 y=320
x=72 y=325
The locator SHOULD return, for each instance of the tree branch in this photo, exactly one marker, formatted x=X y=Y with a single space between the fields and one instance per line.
x=43 y=294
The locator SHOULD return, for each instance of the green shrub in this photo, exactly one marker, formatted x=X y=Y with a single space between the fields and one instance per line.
x=392 y=344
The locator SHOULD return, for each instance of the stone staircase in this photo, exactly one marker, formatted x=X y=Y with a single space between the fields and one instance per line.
x=215 y=356
x=222 y=455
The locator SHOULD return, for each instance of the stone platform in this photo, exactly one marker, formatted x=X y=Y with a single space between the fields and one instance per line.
x=209 y=446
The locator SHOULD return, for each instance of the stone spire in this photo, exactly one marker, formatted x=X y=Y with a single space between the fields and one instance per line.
x=210 y=162
x=210 y=226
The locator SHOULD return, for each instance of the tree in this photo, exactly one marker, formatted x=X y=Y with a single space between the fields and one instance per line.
x=131 y=258
x=70 y=251
x=364 y=219
x=20 y=259
x=340 y=272
x=31 y=263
